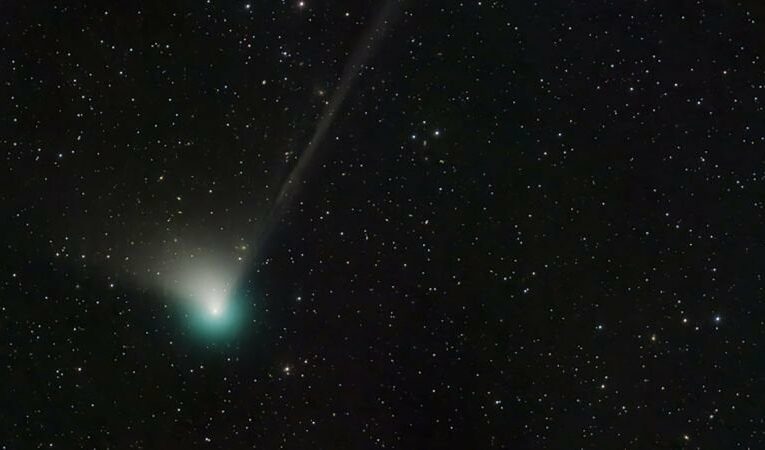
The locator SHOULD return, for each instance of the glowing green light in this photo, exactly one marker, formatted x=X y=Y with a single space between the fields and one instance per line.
x=217 y=317
x=210 y=298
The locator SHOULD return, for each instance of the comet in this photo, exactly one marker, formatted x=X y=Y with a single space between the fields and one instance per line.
x=356 y=62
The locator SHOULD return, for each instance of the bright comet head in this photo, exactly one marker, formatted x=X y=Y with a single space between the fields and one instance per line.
x=216 y=315
x=209 y=292
x=215 y=309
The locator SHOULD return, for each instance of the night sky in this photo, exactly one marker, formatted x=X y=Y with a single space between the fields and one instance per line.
x=382 y=224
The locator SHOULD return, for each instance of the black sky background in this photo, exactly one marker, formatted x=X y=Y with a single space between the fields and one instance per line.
x=574 y=261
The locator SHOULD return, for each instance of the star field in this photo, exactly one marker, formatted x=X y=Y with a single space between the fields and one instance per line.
x=382 y=224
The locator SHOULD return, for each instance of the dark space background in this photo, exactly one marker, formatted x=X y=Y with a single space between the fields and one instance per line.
x=532 y=224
